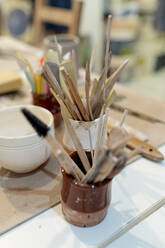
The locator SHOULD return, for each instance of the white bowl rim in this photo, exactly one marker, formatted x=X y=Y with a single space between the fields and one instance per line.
x=29 y=106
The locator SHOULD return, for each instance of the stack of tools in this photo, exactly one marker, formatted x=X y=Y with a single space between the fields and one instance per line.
x=62 y=78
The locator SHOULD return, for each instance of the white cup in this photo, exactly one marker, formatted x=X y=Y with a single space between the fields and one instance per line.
x=82 y=130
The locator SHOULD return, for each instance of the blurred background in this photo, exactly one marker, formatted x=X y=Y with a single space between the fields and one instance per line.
x=138 y=33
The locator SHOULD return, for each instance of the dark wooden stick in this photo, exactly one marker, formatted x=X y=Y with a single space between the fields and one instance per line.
x=75 y=95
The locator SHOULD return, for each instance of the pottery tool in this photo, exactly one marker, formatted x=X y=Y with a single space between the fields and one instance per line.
x=64 y=159
x=150 y=152
x=137 y=114
x=59 y=101
x=89 y=177
x=97 y=94
x=91 y=145
x=107 y=52
x=87 y=86
x=123 y=117
x=110 y=82
x=54 y=69
x=121 y=164
x=91 y=64
x=9 y=82
x=52 y=81
x=106 y=169
x=103 y=131
x=98 y=88
x=75 y=95
x=135 y=221
x=115 y=134
x=93 y=91
x=75 y=140
x=113 y=78
x=99 y=137
x=129 y=129
x=75 y=62
x=94 y=171
x=110 y=99
x=70 y=69
x=57 y=91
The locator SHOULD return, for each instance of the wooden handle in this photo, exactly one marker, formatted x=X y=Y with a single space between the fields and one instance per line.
x=148 y=151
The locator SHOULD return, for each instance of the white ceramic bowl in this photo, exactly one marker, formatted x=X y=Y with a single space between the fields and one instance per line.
x=21 y=149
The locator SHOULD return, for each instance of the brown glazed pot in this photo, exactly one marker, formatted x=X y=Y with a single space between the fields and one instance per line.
x=84 y=205
x=50 y=103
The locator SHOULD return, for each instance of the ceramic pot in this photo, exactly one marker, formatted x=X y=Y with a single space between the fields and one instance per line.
x=84 y=205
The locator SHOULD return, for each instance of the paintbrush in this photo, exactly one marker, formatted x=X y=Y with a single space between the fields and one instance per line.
x=64 y=159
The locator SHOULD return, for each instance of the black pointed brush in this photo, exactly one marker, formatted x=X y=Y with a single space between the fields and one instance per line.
x=39 y=126
x=43 y=130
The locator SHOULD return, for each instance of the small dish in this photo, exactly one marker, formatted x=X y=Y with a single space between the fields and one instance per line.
x=21 y=150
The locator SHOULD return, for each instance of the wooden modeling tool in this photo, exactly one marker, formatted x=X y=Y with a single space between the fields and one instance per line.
x=87 y=87
x=89 y=177
x=148 y=151
x=75 y=140
x=75 y=95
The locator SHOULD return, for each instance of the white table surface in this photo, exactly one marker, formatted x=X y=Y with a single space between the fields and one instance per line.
x=136 y=188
